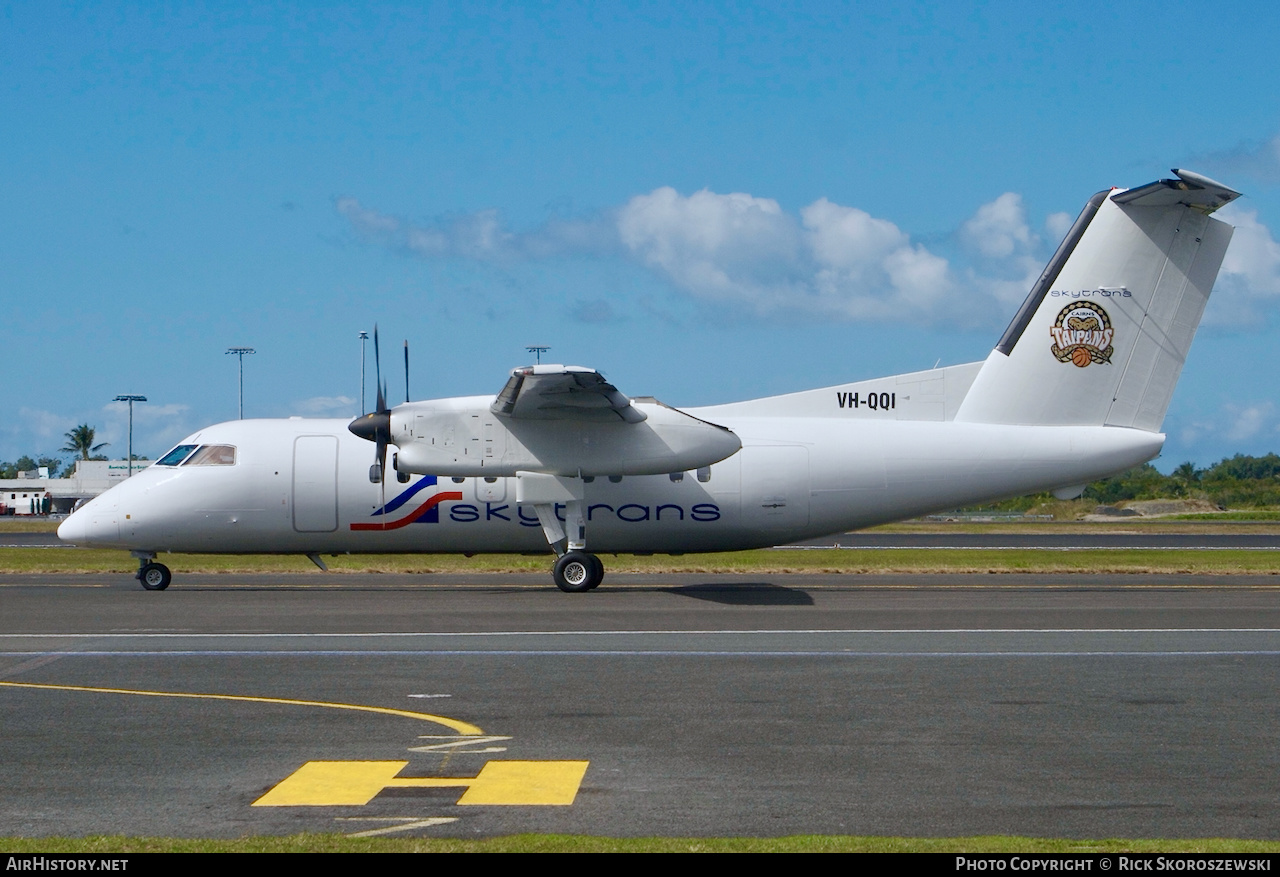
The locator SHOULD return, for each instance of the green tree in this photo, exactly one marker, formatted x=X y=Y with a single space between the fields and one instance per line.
x=1186 y=478
x=1142 y=482
x=80 y=441
x=1243 y=481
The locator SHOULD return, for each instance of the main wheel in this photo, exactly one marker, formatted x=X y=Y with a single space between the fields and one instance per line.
x=155 y=576
x=599 y=574
x=578 y=571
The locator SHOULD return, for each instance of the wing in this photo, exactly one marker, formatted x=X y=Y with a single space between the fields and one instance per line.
x=563 y=392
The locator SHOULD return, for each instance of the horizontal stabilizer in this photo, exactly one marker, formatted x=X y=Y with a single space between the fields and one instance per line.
x=1190 y=190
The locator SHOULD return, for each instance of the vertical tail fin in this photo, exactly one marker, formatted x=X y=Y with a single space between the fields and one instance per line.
x=1103 y=335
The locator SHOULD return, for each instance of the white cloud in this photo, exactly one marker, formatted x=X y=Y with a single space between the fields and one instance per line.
x=45 y=425
x=1258 y=160
x=831 y=261
x=156 y=428
x=480 y=236
x=1056 y=225
x=825 y=261
x=846 y=238
x=717 y=247
x=1250 y=276
x=1234 y=424
x=1245 y=423
x=147 y=411
x=999 y=229
x=365 y=220
x=325 y=406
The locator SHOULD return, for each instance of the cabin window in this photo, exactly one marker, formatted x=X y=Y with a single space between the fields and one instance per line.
x=213 y=455
x=176 y=456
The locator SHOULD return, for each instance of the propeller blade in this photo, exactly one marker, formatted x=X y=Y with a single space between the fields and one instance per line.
x=377 y=365
x=376 y=425
x=406 y=370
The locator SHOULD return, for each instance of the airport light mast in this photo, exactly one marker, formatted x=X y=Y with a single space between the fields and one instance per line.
x=364 y=336
x=240 y=352
x=131 y=400
x=537 y=350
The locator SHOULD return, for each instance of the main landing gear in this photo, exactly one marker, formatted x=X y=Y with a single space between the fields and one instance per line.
x=153 y=576
x=576 y=569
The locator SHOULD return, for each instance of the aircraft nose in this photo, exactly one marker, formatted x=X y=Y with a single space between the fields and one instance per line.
x=95 y=524
x=73 y=529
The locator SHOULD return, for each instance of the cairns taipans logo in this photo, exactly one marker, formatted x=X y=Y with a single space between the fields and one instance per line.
x=1082 y=334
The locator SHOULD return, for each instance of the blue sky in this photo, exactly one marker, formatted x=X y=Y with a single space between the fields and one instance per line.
x=707 y=202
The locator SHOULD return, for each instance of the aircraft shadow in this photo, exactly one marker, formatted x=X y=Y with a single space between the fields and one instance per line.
x=745 y=594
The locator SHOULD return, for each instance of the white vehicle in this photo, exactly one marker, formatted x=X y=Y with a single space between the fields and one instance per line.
x=1075 y=390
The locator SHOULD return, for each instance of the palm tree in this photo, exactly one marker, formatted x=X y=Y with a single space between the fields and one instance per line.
x=1186 y=477
x=80 y=441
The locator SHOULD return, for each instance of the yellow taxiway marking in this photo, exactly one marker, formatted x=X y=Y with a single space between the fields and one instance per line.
x=465 y=728
x=355 y=783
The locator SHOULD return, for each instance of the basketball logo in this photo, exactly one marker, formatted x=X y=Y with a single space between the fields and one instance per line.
x=1082 y=335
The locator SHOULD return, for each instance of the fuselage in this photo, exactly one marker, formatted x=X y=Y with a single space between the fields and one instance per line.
x=302 y=486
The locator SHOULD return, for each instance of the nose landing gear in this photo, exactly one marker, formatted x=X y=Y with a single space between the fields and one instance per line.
x=153 y=576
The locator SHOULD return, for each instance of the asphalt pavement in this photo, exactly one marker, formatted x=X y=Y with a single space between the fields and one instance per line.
x=1079 y=706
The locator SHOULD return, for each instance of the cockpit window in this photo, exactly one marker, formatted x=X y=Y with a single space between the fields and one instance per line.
x=213 y=455
x=176 y=456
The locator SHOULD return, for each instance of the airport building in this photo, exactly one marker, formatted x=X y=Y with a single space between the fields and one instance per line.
x=35 y=493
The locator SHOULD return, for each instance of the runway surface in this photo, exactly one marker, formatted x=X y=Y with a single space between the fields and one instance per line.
x=1051 y=541
x=1084 y=706
x=31 y=540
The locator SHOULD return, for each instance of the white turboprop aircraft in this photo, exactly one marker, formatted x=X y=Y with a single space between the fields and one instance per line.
x=1076 y=390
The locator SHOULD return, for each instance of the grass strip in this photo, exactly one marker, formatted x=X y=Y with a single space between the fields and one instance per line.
x=551 y=843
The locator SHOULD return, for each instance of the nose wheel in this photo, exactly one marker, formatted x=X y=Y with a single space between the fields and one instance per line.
x=578 y=571
x=155 y=576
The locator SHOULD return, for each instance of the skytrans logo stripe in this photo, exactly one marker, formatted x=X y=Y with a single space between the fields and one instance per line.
x=427 y=513
x=465 y=513
x=410 y=492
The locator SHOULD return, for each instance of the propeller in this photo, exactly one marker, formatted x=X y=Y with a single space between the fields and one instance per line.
x=376 y=426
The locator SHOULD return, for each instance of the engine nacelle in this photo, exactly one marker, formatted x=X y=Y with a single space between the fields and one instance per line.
x=464 y=437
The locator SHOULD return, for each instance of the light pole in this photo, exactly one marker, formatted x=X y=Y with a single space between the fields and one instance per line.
x=240 y=352
x=537 y=350
x=364 y=336
x=131 y=400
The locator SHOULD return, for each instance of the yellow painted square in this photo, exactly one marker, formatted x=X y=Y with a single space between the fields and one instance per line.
x=332 y=783
x=526 y=782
